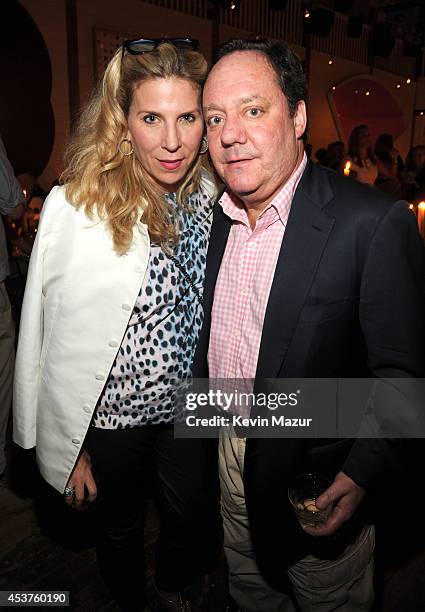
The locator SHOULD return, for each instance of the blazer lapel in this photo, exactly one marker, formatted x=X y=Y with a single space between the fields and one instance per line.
x=220 y=229
x=306 y=234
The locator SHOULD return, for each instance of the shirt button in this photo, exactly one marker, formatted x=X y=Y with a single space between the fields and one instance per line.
x=126 y=307
x=237 y=334
x=99 y=377
x=113 y=344
x=138 y=268
x=87 y=408
x=244 y=290
x=75 y=441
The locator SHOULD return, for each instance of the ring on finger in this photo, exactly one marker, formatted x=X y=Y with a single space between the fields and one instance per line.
x=69 y=492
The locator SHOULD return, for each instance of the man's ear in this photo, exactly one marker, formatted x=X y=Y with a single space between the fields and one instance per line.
x=300 y=119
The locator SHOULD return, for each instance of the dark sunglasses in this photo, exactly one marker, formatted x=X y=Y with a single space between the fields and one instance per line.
x=139 y=46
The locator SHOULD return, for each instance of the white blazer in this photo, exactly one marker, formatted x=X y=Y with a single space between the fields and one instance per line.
x=78 y=300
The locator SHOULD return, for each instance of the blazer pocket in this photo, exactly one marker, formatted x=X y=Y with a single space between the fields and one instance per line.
x=317 y=312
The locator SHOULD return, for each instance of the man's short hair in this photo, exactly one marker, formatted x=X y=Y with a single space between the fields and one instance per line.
x=282 y=59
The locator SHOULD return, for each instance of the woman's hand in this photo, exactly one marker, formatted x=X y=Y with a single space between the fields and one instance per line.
x=81 y=480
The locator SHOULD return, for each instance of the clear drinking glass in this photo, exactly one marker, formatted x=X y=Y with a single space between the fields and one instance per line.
x=303 y=492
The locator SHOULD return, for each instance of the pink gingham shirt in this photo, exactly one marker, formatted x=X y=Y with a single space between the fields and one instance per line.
x=244 y=282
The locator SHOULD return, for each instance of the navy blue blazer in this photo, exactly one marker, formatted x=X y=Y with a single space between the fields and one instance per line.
x=347 y=300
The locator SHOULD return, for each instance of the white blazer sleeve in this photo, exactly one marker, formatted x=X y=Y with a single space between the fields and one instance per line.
x=27 y=367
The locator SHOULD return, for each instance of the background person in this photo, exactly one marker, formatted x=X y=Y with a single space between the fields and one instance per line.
x=389 y=164
x=415 y=174
x=360 y=154
x=34 y=200
x=335 y=155
x=321 y=156
x=111 y=316
x=12 y=206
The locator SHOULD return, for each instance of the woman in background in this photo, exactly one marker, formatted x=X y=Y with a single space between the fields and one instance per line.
x=360 y=154
x=415 y=174
x=389 y=164
x=111 y=317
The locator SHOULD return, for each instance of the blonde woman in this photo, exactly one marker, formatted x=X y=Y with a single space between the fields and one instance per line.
x=112 y=312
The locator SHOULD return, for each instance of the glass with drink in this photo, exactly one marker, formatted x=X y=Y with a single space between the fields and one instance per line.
x=303 y=492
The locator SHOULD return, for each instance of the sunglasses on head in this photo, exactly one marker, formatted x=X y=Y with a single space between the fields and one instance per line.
x=138 y=46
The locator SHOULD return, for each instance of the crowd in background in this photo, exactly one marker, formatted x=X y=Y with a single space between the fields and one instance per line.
x=378 y=164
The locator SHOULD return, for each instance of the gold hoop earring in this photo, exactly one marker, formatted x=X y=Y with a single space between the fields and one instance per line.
x=131 y=145
x=204 y=146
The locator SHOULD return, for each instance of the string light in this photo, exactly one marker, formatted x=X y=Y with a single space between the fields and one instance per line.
x=408 y=81
x=306 y=14
x=232 y=6
x=333 y=87
x=356 y=92
x=331 y=60
x=367 y=93
x=398 y=85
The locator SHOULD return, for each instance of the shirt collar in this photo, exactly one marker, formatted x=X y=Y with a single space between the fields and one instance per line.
x=234 y=208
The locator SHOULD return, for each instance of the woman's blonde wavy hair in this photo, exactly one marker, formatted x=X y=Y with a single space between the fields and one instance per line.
x=110 y=185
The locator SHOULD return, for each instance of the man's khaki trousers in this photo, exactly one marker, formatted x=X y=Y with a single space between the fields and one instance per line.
x=7 y=358
x=341 y=585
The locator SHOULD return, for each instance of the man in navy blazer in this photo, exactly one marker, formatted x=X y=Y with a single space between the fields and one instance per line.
x=346 y=299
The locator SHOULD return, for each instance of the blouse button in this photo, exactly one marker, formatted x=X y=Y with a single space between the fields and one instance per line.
x=75 y=441
x=126 y=307
x=99 y=377
x=113 y=344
